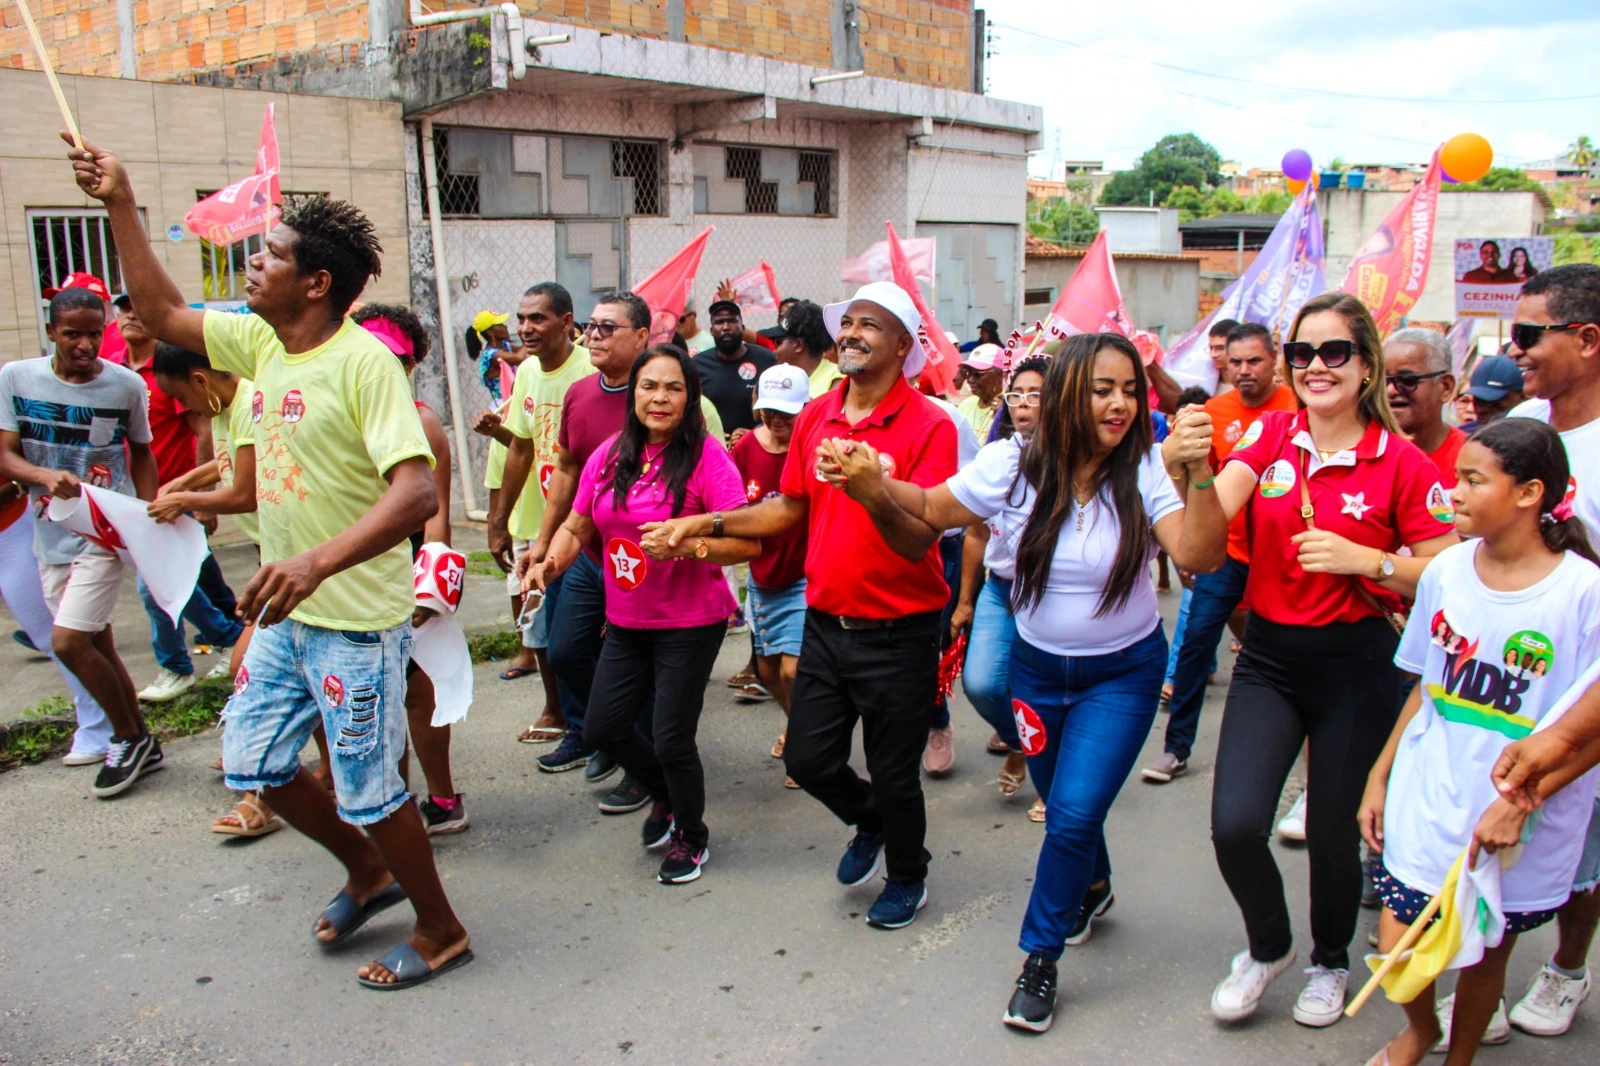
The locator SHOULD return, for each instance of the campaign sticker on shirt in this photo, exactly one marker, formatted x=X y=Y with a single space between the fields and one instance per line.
x=1439 y=504
x=333 y=690
x=241 y=682
x=544 y=479
x=1448 y=637
x=1572 y=489
x=528 y=405
x=628 y=565
x=1278 y=479
x=886 y=461
x=1250 y=436
x=1030 y=730
x=258 y=404
x=1528 y=653
x=294 y=406
x=752 y=490
x=100 y=476
x=747 y=371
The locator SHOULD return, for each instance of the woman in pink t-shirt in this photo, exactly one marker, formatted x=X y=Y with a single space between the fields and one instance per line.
x=666 y=610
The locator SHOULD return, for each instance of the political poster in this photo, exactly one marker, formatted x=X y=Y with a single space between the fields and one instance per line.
x=1490 y=272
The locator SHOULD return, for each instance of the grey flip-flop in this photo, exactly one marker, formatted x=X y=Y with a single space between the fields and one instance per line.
x=407 y=964
x=345 y=915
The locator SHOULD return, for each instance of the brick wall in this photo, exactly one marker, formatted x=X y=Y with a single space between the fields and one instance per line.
x=177 y=37
x=928 y=41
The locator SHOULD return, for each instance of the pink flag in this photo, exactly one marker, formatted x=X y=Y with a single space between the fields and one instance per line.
x=940 y=369
x=756 y=289
x=246 y=206
x=1091 y=301
x=873 y=264
x=667 y=290
x=1390 y=268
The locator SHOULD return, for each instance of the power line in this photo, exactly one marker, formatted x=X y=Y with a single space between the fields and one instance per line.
x=1290 y=88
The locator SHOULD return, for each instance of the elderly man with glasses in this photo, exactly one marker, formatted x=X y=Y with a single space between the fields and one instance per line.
x=1420 y=384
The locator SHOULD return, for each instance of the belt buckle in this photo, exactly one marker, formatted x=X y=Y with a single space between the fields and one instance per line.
x=846 y=622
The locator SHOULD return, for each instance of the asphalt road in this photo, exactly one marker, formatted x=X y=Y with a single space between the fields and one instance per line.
x=131 y=934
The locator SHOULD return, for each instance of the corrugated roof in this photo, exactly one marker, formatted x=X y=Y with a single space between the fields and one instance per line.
x=1237 y=220
x=1038 y=248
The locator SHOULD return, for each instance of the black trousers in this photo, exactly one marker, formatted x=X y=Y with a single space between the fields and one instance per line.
x=887 y=679
x=1337 y=686
x=663 y=672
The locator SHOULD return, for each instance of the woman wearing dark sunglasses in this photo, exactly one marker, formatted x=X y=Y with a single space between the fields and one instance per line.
x=1333 y=491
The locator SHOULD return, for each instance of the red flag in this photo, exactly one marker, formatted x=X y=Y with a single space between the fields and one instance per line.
x=1091 y=302
x=756 y=289
x=940 y=369
x=873 y=264
x=245 y=207
x=667 y=290
x=1390 y=268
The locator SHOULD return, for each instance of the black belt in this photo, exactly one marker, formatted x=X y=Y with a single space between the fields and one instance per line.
x=847 y=622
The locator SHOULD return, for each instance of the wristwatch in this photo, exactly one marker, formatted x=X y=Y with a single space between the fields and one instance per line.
x=716 y=523
x=702 y=549
x=1385 y=567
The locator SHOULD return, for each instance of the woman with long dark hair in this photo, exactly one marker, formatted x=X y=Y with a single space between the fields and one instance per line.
x=1520 y=265
x=1086 y=666
x=1334 y=491
x=666 y=609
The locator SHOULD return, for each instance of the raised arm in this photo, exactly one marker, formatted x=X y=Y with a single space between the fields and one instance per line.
x=1196 y=537
x=162 y=308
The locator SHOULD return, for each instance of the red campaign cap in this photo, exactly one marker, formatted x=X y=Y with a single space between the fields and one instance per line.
x=81 y=280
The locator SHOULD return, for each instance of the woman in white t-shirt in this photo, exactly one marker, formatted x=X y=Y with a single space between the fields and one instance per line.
x=1089 y=656
x=1503 y=625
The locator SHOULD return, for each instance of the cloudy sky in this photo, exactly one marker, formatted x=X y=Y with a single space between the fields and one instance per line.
x=1300 y=75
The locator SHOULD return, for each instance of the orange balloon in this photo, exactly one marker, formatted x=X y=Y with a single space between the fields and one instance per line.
x=1295 y=186
x=1466 y=157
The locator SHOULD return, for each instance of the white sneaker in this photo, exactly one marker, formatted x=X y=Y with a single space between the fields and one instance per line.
x=219 y=670
x=83 y=758
x=1321 y=1002
x=1496 y=1033
x=1292 y=826
x=166 y=686
x=1237 y=997
x=1551 y=1003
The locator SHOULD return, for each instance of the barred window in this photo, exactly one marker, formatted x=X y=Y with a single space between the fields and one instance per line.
x=504 y=174
x=746 y=180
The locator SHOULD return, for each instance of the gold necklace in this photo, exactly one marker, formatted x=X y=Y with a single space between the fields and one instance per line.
x=649 y=461
x=1082 y=502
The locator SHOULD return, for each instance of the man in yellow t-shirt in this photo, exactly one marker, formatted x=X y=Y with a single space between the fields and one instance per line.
x=343 y=476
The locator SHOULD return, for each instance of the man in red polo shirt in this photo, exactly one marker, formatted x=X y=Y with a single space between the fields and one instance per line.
x=871 y=646
x=1417 y=362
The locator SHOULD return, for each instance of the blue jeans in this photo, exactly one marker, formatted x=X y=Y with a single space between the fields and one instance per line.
x=950 y=556
x=1215 y=597
x=1096 y=711
x=575 y=637
x=987 y=675
x=210 y=623
x=354 y=683
x=1176 y=643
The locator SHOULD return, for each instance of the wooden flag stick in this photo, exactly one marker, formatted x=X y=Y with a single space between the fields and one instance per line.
x=49 y=72
x=1407 y=940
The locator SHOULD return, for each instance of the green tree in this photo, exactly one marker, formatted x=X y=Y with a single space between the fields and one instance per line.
x=1176 y=159
x=1271 y=202
x=1190 y=202
x=1062 y=221
x=1576 y=248
x=1582 y=152
x=1499 y=179
x=1222 y=201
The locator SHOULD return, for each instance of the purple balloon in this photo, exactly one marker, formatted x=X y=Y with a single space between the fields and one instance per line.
x=1297 y=164
x=1448 y=180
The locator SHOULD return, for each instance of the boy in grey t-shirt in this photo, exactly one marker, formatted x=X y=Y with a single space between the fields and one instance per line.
x=64 y=421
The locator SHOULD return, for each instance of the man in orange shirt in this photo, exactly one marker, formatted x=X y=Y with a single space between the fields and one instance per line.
x=1252 y=362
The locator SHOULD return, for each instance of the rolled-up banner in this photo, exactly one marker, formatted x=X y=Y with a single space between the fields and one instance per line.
x=439 y=646
x=167 y=555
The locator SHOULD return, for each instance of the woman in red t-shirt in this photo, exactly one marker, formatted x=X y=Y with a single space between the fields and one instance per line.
x=778 y=578
x=1333 y=492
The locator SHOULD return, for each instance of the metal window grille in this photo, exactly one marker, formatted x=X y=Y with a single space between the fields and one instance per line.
x=817 y=168
x=760 y=197
x=459 y=194
x=492 y=177
x=639 y=162
x=65 y=241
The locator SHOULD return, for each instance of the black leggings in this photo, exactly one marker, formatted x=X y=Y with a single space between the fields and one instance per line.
x=668 y=669
x=1337 y=686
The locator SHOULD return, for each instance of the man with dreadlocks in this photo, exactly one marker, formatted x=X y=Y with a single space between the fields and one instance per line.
x=343 y=475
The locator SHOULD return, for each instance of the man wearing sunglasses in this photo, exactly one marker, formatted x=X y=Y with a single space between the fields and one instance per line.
x=1417 y=362
x=1555 y=339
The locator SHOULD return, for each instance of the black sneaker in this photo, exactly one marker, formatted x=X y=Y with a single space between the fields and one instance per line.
x=897 y=905
x=1033 y=1004
x=683 y=861
x=1095 y=903
x=861 y=858
x=601 y=766
x=126 y=762
x=441 y=822
x=629 y=795
x=657 y=825
x=569 y=755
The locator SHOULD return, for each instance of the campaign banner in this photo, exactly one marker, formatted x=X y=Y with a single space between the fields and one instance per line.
x=439 y=646
x=1490 y=273
x=873 y=264
x=1389 y=270
x=166 y=554
x=246 y=206
x=756 y=289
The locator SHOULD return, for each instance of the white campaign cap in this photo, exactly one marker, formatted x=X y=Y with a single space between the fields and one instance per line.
x=892 y=298
x=782 y=388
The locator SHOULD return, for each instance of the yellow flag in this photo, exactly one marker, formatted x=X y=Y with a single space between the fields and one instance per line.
x=1470 y=919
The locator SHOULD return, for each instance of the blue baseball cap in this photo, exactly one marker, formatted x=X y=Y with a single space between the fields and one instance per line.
x=1494 y=377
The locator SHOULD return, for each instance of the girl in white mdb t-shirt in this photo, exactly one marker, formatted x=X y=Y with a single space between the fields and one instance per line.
x=1503 y=626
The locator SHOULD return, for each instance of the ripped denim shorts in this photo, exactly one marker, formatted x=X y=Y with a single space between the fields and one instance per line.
x=295 y=676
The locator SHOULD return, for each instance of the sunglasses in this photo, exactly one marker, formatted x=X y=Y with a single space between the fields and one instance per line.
x=1525 y=335
x=1021 y=399
x=1406 y=381
x=1334 y=353
x=603 y=330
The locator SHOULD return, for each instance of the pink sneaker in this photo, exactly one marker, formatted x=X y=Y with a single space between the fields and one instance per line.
x=940 y=754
